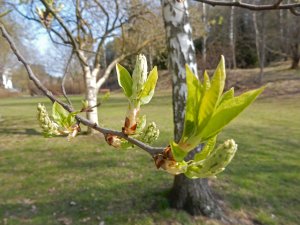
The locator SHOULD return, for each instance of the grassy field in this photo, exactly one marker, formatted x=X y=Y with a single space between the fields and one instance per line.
x=52 y=181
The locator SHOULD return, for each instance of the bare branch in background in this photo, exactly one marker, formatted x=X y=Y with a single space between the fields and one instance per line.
x=64 y=79
x=151 y=150
x=67 y=31
x=277 y=5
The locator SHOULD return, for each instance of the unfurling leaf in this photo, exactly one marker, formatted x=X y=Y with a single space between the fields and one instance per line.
x=124 y=80
x=59 y=114
x=148 y=89
x=207 y=149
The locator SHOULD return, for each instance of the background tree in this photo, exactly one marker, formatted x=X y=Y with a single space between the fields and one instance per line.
x=73 y=25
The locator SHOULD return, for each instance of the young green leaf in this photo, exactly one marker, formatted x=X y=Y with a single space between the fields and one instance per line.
x=212 y=95
x=206 y=81
x=227 y=111
x=208 y=148
x=178 y=153
x=192 y=103
x=124 y=80
x=59 y=114
x=149 y=87
x=226 y=96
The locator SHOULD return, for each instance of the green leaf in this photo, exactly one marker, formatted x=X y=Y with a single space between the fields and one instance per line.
x=124 y=80
x=149 y=87
x=192 y=103
x=206 y=81
x=70 y=120
x=212 y=95
x=227 y=111
x=227 y=95
x=209 y=146
x=178 y=153
x=59 y=114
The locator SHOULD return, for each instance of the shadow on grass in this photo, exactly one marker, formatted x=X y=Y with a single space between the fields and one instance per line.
x=15 y=131
x=92 y=204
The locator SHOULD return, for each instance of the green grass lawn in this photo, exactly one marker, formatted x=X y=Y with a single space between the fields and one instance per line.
x=53 y=181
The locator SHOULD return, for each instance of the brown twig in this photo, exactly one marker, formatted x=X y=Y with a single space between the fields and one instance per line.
x=151 y=150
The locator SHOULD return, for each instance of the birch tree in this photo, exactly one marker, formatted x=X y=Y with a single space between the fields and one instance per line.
x=260 y=43
x=232 y=36
x=194 y=196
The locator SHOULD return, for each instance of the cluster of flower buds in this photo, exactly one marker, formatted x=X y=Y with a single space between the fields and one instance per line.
x=150 y=133
x=63 y=122
x=214 y=163
x=50 y=128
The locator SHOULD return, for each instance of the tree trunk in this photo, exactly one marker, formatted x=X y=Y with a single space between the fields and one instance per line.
x=91 y=92
x=232 y=36
x=295 y=56
x=194 y=196
x=260 y=44
x=206 y=30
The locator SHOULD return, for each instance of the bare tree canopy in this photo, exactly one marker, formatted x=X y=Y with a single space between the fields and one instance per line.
x=276 y=5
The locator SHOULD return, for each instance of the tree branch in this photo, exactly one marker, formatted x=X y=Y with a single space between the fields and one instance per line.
x=64 y=79
x=277 y=5
x=68 y=32
x=151 y=150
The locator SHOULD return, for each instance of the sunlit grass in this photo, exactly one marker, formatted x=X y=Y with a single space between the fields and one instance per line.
x=52 y=181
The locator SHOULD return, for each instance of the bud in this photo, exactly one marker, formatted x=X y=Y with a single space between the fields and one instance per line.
x=139 y=75
x=215 y=162
x=150 y=134
x=130 y=124
x=74 y=130
x=166 y=161
x=49 y=127
x=113 y=140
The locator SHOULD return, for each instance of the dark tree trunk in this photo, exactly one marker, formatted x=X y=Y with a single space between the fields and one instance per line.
x=295 y=56
x=194 y=196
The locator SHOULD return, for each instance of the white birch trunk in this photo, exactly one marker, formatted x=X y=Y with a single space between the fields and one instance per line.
x=205 y=34
x=260 y=44
x=91 y=92
x=232 y=36
x=181 y=52
x=192 y=195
